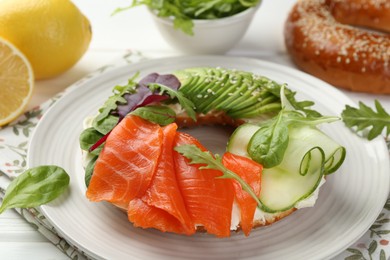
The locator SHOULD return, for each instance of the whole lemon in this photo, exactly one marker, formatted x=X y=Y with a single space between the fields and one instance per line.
x=52 y=34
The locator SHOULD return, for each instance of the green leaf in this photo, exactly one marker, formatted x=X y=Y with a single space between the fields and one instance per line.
x=375 y=226
x=184 y=12
x=105 y=124
x=355 y=251
x=387 y=205
x=381 y=215
x=35 y=187
x=196 y=156
x=304 y=106
x=105 y=121
x=382 y=255
x=372 y=247
x=365 y=118
x=185 y=103
x=382 y=221
x=89 y=170
x=23 y=144
x=88 y=138
x=157 y=114
x=268 y=145
x=186 y=25
x=354 y=257
x=294 y=117
x=383 y=232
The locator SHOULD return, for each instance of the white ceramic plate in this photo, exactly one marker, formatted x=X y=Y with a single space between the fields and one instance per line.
x=348 y=204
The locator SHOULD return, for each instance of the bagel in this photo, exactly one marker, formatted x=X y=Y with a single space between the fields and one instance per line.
x=321 y=41
x=219 y=97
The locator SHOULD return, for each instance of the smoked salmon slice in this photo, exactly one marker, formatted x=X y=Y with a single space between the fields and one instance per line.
x=144 y=216
x=250 y=172
x=127 y=163
x=162 y=207
x=209 y=200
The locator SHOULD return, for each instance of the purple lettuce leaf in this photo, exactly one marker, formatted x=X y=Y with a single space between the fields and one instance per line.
x=143 y=97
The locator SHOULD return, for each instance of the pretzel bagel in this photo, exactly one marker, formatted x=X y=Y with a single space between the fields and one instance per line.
x=321 y=40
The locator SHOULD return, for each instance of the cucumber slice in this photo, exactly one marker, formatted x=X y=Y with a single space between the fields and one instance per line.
x=309 y=155
x=240 y=138
x=299 y=173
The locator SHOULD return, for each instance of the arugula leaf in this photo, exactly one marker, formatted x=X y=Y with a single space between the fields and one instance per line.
x=365 y=118
x=197 y=156
x=105 y=120
x=132 y=96
x=35 y=187
x=186 y=104
x=286 y=95
x=303 y=106
x=157 y=114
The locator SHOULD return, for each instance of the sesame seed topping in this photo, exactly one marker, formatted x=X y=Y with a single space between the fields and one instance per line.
x=348 y=44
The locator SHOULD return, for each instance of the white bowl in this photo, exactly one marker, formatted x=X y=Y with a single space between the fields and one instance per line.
x=215 y=36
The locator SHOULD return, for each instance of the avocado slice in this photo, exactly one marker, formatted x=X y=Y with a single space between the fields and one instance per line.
x=240 y=94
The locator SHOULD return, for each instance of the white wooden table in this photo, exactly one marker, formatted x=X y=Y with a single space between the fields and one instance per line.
x=134 y=29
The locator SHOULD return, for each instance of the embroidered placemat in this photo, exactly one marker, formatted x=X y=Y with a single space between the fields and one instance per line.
x=13 y=153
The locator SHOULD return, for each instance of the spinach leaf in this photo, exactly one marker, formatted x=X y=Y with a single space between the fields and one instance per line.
x=268 y=145
x=89 y=170
x=157 y=114
x=88 y=138
x=35 y=187
x=105 y=124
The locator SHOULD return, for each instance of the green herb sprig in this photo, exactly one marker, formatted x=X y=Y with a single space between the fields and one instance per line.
x=105 y=121
x=365 y=118
x=185 y=103
x=197 y=156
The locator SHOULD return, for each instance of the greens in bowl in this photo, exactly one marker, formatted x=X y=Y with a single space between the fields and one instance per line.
x=185 y=12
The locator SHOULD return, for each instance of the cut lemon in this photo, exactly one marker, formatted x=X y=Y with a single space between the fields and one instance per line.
x=52 y=34
x=16 y=82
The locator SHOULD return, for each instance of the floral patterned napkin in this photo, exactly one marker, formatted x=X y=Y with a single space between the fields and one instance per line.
x=13 y=152
x=14 y=140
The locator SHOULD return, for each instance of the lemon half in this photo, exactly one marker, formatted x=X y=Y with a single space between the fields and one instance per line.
x=16 y=82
